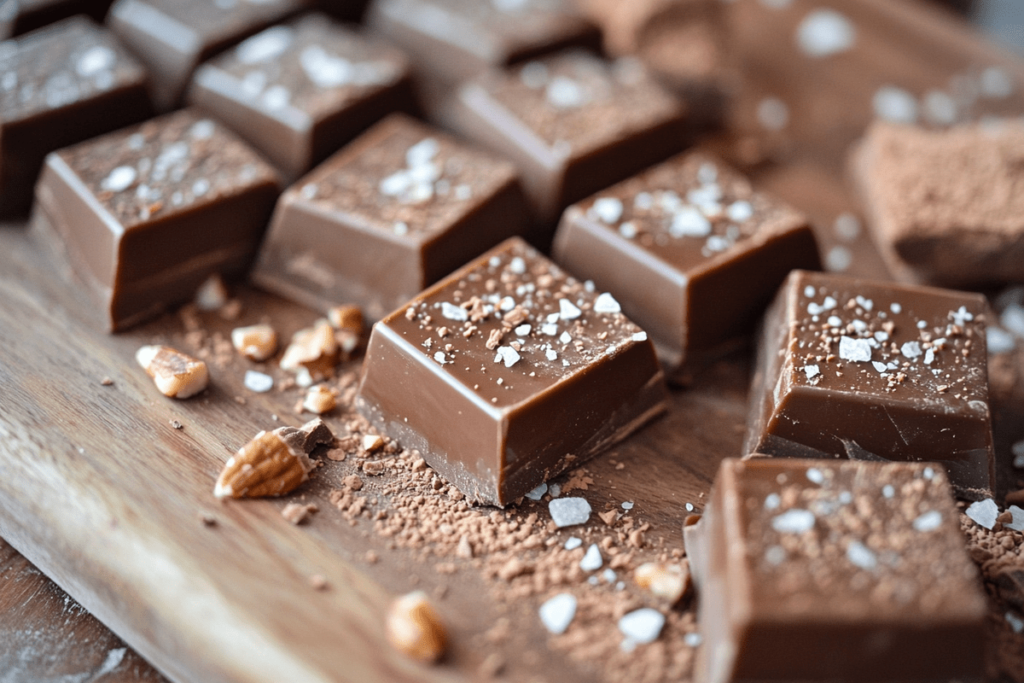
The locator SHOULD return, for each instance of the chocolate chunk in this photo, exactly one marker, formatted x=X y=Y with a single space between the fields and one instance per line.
x=297 y=92
x=945 y=207
x=391 y=213
x=145 y=215
x=58 y=86
x=862 y=564
x=689 y=249
x=898 y=370
x=572 y=123
x=306 y=438
x=173 y=36
x=21 y=16
x=564 y=382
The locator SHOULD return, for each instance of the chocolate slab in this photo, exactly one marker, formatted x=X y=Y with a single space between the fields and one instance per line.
x=945 y=207
x=297 y=92
x=391 y=213
x=871 y=370
x=508 y=372
x=145 y=215
x=690 y=250
x=572 y=123
x=21 y=16
x=172 y=37
x=819 y=571
x=58 y=86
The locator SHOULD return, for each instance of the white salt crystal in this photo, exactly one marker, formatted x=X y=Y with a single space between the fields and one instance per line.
x=258 y=381
x=628 y=505
x=740 y=211
x=984 y=512
x=1017 y=523
x=825 y=32
x=606 y=303
x=453 y=312
x=608 y=209
x=572 y=543
x=566 y=93
x=538 y=492
x=592 y=561
x=508 y=355
x=815 y=475
x=692 y=639
x=860 y=555
x=639 y=336
x=772 y=501
x=264 y=46
x=795 y=521
x=120 y=179
x=689 y=222
x=643 y=625
x=854 y=350
x=911 y=349
x=94 y=60
x=895 y=104
x=929 y=521
x=569 y=511
x=558 y=612
x=567 y=310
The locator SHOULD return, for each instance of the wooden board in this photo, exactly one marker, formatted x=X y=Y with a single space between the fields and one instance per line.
x=106 y=497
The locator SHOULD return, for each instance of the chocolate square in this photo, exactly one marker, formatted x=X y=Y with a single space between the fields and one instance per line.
x=297 y=92
x=818 y=571
x=691 y=251
x=146 y=214
x=873 y=370
x=394 y=211
x=508 y=372
x=21 y=16
x=58 y=86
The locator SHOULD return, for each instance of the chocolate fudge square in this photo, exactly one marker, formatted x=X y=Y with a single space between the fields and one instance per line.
x=173 y=36
x=508 y=372
x=297 y=92
x=572 y=123
x=396 y=210
x=689 y=249
x=828 y=571
x=145 y=215
x=945 y=207
x=58 y=86
x=872 y=370
x=21 y=16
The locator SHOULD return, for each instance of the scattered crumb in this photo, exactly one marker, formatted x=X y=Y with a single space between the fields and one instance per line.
x=177 y=425
x=297 y=513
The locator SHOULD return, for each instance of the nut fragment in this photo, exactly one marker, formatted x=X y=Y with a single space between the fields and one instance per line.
x=320 y=399
x=175 y=374
x=312 y=353
x=348 y=322
x=668 y=581
x=273 y=463
x=255 y=342
x=414 y=628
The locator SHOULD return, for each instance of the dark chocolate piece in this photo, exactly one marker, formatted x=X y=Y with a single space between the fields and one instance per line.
x=145 y=215
x=173 y=36
x=572 y=123
x=822 y=571
x=899 y=371
x=691 y=251
x=21 y=16
x=58 y=86
x=507 y=373
x=395 y=211
x=298 y=92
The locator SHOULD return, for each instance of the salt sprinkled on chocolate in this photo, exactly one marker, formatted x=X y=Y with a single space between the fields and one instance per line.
x=592 y=560
x=569 y=511
x=825 y=32
x=794 y=521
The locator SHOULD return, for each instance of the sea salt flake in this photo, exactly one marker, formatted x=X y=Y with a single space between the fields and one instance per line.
x=508 y=355
x=929 y=356
x=538 y=493
x=422 y=153
x=453 y=312
x=627 y=505
x=592 y=561
x=834 y=321
x=439 y=357
x=689 y=222
x=120 y=179
x=643 y=625
x=881 y=367
x=523 y=330
x=1017 y=523
x=606 y=303
x=551 y=354
x=825 y=32
x=815 y=475
x=572 y=543
x=911 y=349
x=94 y=60
x=276 y=97
x=567 y=310
x=608 y=209
x=569 y=511
x=565 y=338
x=811 y=371
x=1015 y=622
x=929 y=521
x=258 y=381
x=740 y=211
x=639 y=336
x=550 y=329
x=983 y=512
x=628 y=230
x=609 y=575
x=854 y=350
x=860 y=555
x=693 y=639
x=795 y=521
x=961 y=316
x=558 y=612
x=888 y=491
x=809 y=292
x=772 y=501
x=895 y=104
x=264 y=46
x=565 y=93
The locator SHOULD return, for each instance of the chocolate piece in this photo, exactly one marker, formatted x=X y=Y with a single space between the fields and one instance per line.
x=573 y=124
x=59 y=86
x=21 y=16
x=507 y=373
x=861 y=564
x=945 y=207
x=145 y=215
x=689 y=249
x=393 y=212
x=173 y=36
x=848 y=367
x=298 y=92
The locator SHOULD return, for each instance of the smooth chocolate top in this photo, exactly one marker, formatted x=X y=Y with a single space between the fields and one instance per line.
x=59 y=66
x=514 y=325
x=404 y=178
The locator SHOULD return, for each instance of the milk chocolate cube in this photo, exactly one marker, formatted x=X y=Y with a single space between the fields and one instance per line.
x=829 y=571
x=508 y=372
x=297 y=92
x=21 y=16
x=391 y=213
x=173 y=36
x=58 y=86
x=572 y=123
x=145 y=215
x=689 y=249
x=861 y=369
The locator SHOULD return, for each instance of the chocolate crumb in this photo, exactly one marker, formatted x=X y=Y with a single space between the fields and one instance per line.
x=297 y=513
x=177 y=425
x=106 y=381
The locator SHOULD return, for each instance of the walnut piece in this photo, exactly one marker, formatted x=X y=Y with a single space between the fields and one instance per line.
x=414 y=628
x=175 y=374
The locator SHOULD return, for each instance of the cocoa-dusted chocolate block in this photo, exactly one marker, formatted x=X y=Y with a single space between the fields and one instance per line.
x=58 y=86
x=21 y=16
x=394 y=211
x=692 y=252
x=573 y=124
x=818 y=571
x=508 y=372
x=145 y=215
x=297 y=92
x=945 y=207
x=173 y=36
x=878 y=371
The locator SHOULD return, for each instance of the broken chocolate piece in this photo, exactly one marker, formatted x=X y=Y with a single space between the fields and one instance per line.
x=21 y=16
x=307 y=437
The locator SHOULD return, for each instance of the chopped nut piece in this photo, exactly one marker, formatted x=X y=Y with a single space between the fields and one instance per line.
x=175 y=374
x=313 y=350
x=320 y=399
x=297 y=513
x=668 y=581
x=348 y=322
x=372 y=443
x=212 y=294
x=256 y=342
x=414 y=628
x=273 y=463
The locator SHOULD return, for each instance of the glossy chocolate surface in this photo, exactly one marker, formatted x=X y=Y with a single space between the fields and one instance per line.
x=691 y=251
x=21 y=16
x=58 y=86
x=145 y=215
x=508 y=372
x=813 y=571
x=862 y=369
x=394 y=211
x=297 y=92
